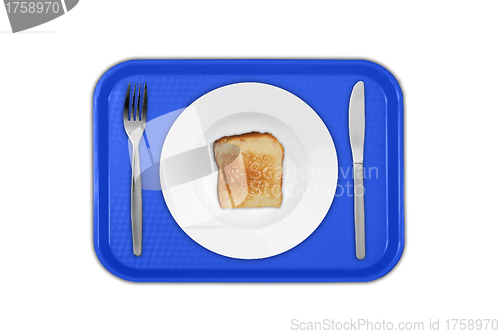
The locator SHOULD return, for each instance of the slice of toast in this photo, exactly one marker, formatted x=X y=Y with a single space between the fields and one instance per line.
x=250 y=170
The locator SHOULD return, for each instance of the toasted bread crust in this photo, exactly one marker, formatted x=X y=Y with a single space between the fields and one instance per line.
x=250 y=170
x=249 y=135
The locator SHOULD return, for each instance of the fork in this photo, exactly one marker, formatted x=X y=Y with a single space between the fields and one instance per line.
x=135 y=122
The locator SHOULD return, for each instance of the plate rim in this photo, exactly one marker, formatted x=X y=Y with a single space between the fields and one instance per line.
x=271 y=87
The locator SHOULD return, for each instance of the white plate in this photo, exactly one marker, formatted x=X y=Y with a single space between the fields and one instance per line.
x=310 y=171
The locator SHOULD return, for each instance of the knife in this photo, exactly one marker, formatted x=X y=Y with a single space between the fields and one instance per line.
x=357 y=137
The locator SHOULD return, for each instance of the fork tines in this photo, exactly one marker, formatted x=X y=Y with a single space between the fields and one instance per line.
x=131 y=111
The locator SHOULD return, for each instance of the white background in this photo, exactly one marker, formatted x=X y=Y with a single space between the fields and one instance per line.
x=446 y=57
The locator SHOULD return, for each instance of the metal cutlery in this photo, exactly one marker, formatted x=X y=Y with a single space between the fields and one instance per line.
x=134 y=121
x=357 y=138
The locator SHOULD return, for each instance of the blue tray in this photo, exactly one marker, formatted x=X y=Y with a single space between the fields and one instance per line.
x=328 y=255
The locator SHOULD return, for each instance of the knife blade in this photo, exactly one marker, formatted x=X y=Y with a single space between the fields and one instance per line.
x=357 y=138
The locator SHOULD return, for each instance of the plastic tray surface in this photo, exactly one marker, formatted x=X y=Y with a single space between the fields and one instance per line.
x=328 y=254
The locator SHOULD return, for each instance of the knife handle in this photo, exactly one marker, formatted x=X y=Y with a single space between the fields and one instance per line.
x=359 y=210
x=136 y=203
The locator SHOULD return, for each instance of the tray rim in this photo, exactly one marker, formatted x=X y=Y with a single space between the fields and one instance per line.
x=376 y=72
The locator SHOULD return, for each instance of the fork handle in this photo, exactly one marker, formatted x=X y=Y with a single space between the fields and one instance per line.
x=136 y=203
